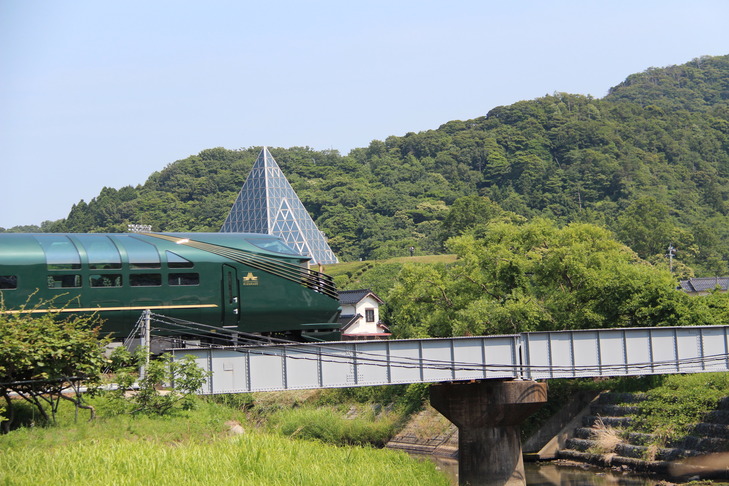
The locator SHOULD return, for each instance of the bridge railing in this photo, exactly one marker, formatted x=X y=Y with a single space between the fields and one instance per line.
x=623 y=352
x=362 y=363
x=532 y=356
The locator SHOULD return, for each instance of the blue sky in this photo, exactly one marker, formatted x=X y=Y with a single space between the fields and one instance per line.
x=96 y=93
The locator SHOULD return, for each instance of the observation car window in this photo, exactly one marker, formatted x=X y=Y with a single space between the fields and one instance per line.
x=176 y=261
x=64 y=281
x=106 y=280
x=183 y=279
x=61 y=254
x=272 y=244
x=102 y=253
x=8 y=282
x=141 y=254
x=145 y=280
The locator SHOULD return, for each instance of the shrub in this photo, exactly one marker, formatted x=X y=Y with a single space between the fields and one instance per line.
x=324 y=425
x=43 y=355
x=165 y=385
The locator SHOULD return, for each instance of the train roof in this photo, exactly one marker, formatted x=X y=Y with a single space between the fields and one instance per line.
x=258 y=241
x=27 y=245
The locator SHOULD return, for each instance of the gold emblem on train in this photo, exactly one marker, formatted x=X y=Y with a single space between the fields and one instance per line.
x=250 y=279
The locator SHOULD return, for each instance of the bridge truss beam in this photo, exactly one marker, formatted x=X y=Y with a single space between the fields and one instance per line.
x=526 y=356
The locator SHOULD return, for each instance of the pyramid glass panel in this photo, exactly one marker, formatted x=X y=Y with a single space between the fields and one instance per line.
x=268 y=204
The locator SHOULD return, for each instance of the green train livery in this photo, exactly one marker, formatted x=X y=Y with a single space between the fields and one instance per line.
x=243 y=282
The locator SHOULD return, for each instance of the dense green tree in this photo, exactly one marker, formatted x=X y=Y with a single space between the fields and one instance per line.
x=534 y=276
x=647 y=228
x=468 y=212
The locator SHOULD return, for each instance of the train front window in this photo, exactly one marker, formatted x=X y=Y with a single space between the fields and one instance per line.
x=106 y=280
x=8 y=282
x=64 y=281
x=60 y=253
x=272 y=244
x=183 y=279
x=141 y=254
x=102 y=253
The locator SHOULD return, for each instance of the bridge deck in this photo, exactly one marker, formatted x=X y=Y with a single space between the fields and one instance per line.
x=529 y=356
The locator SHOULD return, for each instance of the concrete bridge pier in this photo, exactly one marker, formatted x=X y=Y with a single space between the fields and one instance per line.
x=488 y=415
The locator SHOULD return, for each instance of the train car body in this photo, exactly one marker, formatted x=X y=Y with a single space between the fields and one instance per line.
x=237 y=281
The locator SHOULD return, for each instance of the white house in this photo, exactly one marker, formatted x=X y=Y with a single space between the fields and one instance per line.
x=360 y=316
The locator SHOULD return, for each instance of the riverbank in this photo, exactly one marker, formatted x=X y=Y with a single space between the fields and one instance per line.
x=560 y=472
x=673 y=427
x=613 y=434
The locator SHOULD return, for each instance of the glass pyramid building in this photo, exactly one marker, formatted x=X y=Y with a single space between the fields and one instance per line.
x=268 y=204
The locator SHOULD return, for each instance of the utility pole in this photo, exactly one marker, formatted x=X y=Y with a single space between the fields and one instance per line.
x=146 y=342
x=671 y=252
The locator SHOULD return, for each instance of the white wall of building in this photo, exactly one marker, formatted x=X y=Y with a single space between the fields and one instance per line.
x=367 y=324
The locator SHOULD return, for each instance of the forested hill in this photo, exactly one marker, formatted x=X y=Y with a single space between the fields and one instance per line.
x=650 y=161
x=696 y=86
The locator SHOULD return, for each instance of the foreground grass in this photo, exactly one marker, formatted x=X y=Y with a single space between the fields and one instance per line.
x=193 y=448
x=363 y=416
x=253 y=459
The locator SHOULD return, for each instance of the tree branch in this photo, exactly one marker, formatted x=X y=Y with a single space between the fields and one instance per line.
x=442 y=291
x=77 y=401
x=483 y=286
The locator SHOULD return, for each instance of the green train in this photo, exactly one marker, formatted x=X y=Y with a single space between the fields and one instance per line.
x=245 y=282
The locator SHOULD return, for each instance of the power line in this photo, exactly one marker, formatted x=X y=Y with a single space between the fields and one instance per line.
x=243 y=342
x=333 y=354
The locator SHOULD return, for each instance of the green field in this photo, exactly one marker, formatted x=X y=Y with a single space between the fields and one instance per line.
x=193 y=447
x=377 y=275
x=352 y=267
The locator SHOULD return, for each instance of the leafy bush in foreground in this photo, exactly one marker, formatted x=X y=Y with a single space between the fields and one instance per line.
x=44 y=355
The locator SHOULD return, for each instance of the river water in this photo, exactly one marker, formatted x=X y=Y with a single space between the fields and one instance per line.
x=552 y=474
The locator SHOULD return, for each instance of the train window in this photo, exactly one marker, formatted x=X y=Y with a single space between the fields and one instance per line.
x=61 y=254
x=145 y=280
x=8 y=282
x=106 y=280
x=64 y=281
x=102 y=253
x=183 y=279
x=176 y=261
x=271 y=244
x=141 y=254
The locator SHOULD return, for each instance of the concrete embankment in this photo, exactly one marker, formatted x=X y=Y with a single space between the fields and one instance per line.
x=428 y=433
x=605 y=438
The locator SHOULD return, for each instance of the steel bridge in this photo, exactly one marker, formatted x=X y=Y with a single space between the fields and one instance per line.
x=525 y=356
